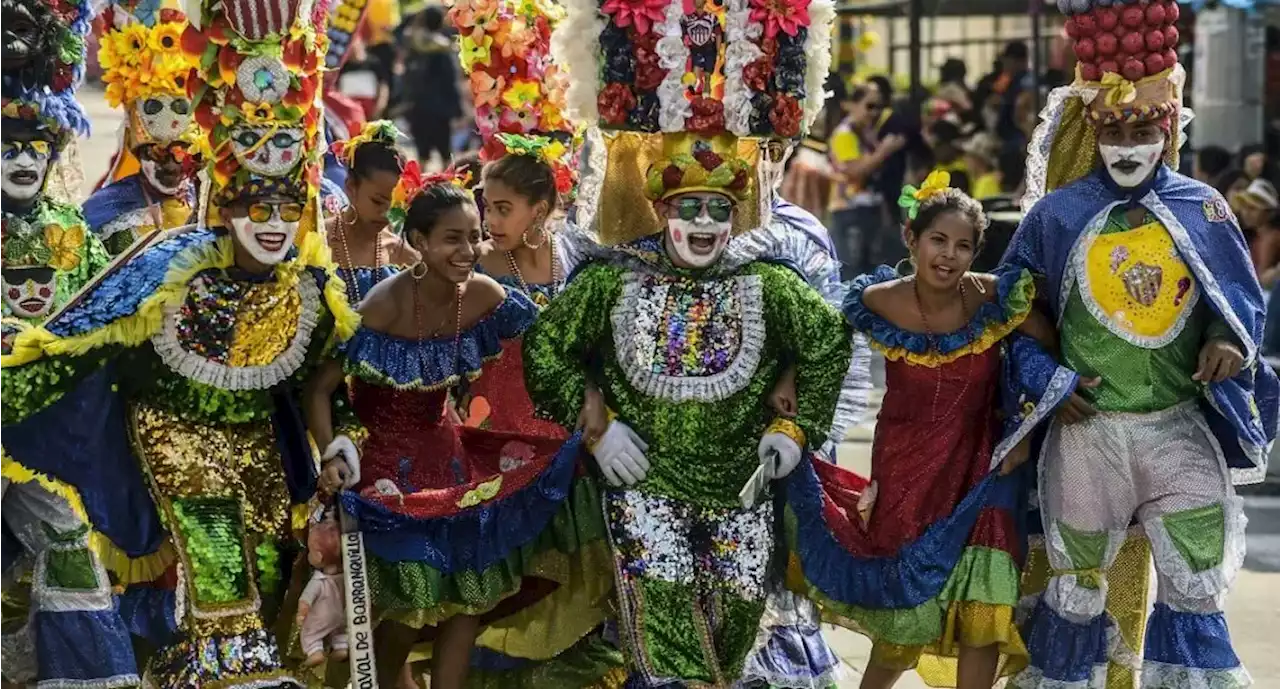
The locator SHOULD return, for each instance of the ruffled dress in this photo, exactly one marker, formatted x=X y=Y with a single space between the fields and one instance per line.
x=500 y=525
x=935 y=565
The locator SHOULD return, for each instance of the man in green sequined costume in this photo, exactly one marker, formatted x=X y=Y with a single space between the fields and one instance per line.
x=686 y=343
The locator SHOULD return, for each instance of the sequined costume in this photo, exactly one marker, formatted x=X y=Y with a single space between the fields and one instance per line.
x=937 y=506
x=686 y=358
x=123 y=212
x=1136 y=298
x=500 y=525
x=60 y=624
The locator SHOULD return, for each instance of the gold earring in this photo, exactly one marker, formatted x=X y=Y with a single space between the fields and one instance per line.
x=414 y=271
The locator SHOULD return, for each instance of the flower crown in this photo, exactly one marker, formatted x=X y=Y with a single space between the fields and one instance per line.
x=505 y=50
x=936 y=183
x=551 y=151
x=413 y=183
x=382 y=132
x=140 y=61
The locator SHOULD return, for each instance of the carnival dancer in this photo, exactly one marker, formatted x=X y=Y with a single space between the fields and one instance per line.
x=464 y=527
x=67 y=630
x=190 y=356
x=156 y=137
x=365 y=247
x=1159 y=311
x=942 y=331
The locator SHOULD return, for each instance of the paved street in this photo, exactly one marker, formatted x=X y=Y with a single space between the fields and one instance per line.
x=1253 y=608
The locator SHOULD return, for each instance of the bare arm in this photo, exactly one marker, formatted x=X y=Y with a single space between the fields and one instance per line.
x=862 y=167
x=318 y=401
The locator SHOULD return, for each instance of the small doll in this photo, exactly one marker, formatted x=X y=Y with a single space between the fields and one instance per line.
x=321 y=611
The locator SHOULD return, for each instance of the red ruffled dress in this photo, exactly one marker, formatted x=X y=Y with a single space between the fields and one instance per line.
x=460 y=520
x=935 y=563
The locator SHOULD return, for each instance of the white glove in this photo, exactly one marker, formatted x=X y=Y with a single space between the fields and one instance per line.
x=620 y=454
x=342 y=447
x=779 y=454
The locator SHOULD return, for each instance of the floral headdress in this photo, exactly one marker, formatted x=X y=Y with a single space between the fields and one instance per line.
x=256 y=96
x=910 y=199
x=1128 y=71
x=41 y=87
x=411 y=185
x=505 y=49
x=146 y=71
x=692 y=95
x=377 y=131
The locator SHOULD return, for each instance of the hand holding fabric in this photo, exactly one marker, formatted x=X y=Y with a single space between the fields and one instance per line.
x=620 y=454
x=344 y=469
x=779 y=454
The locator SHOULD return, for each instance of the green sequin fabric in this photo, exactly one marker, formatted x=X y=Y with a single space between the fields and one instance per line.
x=699 y=451
x=213 y=536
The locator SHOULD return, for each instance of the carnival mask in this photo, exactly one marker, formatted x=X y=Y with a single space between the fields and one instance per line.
x=165 y=118
x=267 y=152
x=698 y=228
x=28 y=41
x=1130 y=166
x=29 y=291
x=23 y=166
x=163 y=167
x=267 y=230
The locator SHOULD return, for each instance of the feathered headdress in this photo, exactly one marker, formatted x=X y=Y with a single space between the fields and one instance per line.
x=256 y=96
x=518 y=92
x=1128 y=71
x=413 y=183
x=692 y=95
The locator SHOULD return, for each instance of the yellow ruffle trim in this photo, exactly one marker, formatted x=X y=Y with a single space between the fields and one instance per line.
x=127 y=570
x=968 y=623
x=989 y=338
x=137 y=328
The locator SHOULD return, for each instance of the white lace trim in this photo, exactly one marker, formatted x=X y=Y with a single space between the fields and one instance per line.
x=673 y=107
x=1210 y=584
x=741 y=50
x=1060 y=385
x=1079 y=259
x=1064 y=594
x=198 y=368
x=1033 y=678
x=630 y=319
x=1165 y=676
x=817 y=48
x=126 y=680
x=127 y=222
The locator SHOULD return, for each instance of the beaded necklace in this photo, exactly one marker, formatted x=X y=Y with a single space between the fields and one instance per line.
x=933 y=345
x=353 y=287
x=537 y=298
x=461 y=387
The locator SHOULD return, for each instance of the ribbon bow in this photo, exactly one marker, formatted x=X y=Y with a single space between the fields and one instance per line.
x=1119 y=90
x=937 y=182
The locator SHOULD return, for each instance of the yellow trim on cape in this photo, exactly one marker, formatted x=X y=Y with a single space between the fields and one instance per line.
x=133 y=570
x=133 y=330
x=17 y=473
x=988 y=339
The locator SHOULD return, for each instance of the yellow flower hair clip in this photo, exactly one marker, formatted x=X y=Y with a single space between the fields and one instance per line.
x=377 y=131
x=937 y=182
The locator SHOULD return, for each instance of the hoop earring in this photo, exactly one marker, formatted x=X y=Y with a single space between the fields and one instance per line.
x=542 y=232
x=413 y=273
x=910 y=261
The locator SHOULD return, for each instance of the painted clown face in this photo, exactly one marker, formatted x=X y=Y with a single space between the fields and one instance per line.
x=28 y=291
x=24 y=165
x=1130 y=152
x=164 y=118
x=699 y=225
x=267 y=152
x=265 y=228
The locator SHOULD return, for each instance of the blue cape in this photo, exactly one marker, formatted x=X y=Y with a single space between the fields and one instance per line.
x=1242 y=411
x=124 y=195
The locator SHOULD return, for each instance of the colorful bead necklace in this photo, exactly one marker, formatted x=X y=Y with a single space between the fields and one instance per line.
x=353 y=288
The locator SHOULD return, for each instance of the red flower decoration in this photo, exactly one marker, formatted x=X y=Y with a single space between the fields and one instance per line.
x=615 y=102
x=786 y=16
x=757 y=74
x=194 y=42
x=643 y=14
x=707 y=117
x=785 y=115
x=649 y=74
x=205 y=116
x=304 y=94
x=564 y=179
x=220 y=31
x=293 y=54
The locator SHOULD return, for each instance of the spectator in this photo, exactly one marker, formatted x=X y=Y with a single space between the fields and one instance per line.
x=947 y=154
x=1257 y=206
x=365 y=79
x=982 y=158
x=1230 y=184
x=1253 y=161
x=894 y=171
x=1211 y=163
x=951 y=85
x=431 y=75
x=1014 y=79
x=1013 y=168
x=858 y=152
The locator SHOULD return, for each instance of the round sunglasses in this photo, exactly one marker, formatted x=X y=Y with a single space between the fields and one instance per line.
x=262 y=211
x=690 y=207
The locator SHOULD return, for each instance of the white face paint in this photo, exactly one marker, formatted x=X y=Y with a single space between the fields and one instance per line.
x=1129 y=166
x=697 y=243
x=150 y=173
x=266 y=242
x=23 y=171
x=28 y=292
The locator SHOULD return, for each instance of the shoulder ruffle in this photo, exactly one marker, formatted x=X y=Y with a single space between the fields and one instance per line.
x=993 y=321
x=410 y=364
x=112 y=201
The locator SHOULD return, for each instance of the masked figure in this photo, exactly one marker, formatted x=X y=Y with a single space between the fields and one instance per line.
x=1159 y=314
x=152 y=184
x=193 y=466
